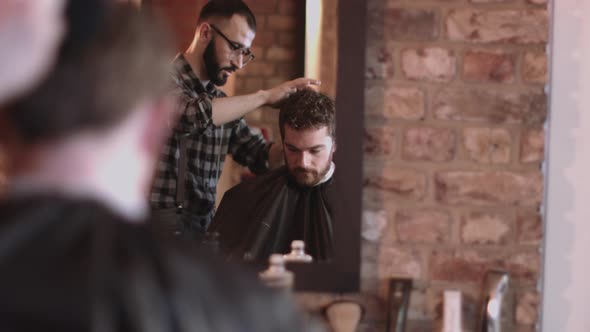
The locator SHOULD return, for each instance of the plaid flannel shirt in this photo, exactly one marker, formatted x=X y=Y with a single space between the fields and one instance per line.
x=207 y=146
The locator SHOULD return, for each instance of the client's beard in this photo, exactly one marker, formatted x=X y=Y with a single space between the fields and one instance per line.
x=312 y=177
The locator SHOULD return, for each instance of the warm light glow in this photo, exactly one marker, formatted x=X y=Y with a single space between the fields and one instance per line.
x=313 y=24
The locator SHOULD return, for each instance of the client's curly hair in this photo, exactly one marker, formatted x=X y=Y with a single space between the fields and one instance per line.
x=306 y=109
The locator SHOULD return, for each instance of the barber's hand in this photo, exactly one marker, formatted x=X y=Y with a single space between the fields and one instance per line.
x=283 y=90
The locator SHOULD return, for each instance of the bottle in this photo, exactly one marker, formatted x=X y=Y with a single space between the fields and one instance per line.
x=452 y=320
x=297 y=253
x=276 y=275
x=495 y=288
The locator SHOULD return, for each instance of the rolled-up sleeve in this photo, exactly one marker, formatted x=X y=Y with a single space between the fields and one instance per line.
x=196 y=113
x=249 y=148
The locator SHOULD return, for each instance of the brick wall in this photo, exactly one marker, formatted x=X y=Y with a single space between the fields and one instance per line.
x=181 y=16
x=279 y=50
x=454 y=139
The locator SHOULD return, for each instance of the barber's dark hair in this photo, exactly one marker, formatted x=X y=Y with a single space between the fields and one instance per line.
x=307 y=109
x=227 y=9
x=112 y=57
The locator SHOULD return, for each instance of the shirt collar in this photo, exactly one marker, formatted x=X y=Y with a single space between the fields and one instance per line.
x=328 y=175
x=187 y=77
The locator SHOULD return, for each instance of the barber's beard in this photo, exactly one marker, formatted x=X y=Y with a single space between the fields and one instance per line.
x=214 y=70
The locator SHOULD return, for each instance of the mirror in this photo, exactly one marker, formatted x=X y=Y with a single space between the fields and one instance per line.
x=265 y=215
x=278 y=47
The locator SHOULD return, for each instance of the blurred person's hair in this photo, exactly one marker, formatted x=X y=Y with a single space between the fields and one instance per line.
x=226 y=9
x=112 y=57
x=307 y=109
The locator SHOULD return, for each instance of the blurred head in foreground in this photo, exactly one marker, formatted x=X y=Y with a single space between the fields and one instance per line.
x=95 y=123
x=91 y=132
x=30 y=31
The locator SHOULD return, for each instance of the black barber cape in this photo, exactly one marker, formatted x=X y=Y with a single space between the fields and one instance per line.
x=261 y=216
x=74 y=265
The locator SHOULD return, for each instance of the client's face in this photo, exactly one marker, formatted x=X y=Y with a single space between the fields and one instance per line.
x=308 y=154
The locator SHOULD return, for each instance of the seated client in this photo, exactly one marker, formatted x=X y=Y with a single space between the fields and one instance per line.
x=262 y=216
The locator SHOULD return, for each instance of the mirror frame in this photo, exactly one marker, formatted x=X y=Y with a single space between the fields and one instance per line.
x=342 y=274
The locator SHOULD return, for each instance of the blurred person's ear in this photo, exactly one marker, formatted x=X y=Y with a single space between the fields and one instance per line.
x=30 y=34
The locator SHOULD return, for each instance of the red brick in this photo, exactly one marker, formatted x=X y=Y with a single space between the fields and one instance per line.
x=527 y=308
x=260 y=22
x=487 y=145
x=529 y=228
x=390 y=183
x=534 y=67
x=288 y=7
x=429 y=144
x=485 y=228
x=264 y=38
x=258 y=69
x=376 y=22
x=446 y=266
x=379 y=142
x=394 y=102
x=274 y=81
x=258 y=52
x=471 y=265
x=423 y=226
x=404 y=103
x=490 y=106
x=379 y=63
x=253 y=84
x=280 y=54
x=532 y=145
x=489 y=188
x=411 y=24
x=398 y=262
x=281 y=23
x=288 y=71
x=263 y=6
x=288 y=40
x=524 y=265
x=498 y=26
x=489 y=66
x=430 y=64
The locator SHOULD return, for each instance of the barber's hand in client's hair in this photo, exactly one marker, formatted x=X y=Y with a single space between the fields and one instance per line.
x=283 y=90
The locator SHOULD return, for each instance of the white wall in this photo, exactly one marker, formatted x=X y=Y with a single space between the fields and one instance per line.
x=566 y=285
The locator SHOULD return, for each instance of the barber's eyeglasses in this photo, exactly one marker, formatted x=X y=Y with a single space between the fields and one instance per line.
x=236 y=49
